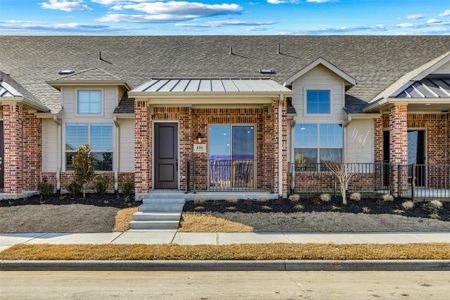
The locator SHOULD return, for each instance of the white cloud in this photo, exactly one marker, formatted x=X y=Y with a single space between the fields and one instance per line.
x=434 y=21
x=65 y=5
x=225 y=23
x=282 y=1
x=169 y=11
x=405 y=25
x=414 y=17
x=445 y=13
x=257 y=28
x=319 y=1
x=63 y=27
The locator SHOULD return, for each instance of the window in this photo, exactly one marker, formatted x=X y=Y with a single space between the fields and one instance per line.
x=98 y=136
x=318 y=143
x=231 y=156
x=90 y=102
x=318 y=102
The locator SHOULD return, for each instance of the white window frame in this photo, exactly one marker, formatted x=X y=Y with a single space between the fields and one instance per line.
x=102 y=102
x=305 y=100
x=64 y=156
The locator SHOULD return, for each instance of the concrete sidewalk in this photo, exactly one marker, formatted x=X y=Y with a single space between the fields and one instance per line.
x=221 y=238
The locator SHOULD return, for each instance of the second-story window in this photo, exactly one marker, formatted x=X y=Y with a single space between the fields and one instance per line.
x=89 y=102
x=318 y=102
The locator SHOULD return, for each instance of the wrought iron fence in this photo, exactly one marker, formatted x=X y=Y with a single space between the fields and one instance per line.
x=221 y=175
x=418 y=181
x=317 y=178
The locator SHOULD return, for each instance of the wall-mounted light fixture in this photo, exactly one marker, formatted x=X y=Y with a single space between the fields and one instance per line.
x=199 y=138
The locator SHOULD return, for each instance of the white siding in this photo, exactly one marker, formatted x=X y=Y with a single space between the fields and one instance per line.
x=126 y=145
x=359 y=145
x=319 y=78
x=445 y=69
x=49 y=146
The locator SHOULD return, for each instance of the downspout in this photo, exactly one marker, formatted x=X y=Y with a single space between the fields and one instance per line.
x=116 y=154
x=280 y=146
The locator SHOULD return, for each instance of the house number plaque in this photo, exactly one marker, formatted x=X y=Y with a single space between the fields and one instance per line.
x=199 y=148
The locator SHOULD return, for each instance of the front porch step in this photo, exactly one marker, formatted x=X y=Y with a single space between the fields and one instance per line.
x=154 y=225
x=156 y=216
x=165 y=195
x=161 y=208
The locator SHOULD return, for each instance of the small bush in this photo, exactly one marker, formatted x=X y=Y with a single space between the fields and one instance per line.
x=263 y=199
x=199 y=200
x=430 y=208
x=299 y=207
x=101 y=184
x=325 y=197
x=366 y=210
x=45 y=188
x=266 y=208
x=398 y=211
x=127 y=188
x=83 y=167
x=436 y=203
x=230 y=208
x=232 y=201
x=355 y=197
x=294 y=198
x=74 y=188
x=387 y=198
x=408 y=205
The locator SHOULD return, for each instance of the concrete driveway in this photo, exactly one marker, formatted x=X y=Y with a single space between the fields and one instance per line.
x=225 y=285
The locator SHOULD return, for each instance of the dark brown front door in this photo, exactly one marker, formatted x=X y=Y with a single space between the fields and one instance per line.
x=2 y=158
x=166 y=155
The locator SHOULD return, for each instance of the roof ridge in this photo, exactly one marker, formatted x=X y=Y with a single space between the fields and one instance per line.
x=87 y=70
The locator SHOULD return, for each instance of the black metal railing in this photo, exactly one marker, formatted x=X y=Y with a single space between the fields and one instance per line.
x=221 y=175
x=418 y=181
x=318 y=178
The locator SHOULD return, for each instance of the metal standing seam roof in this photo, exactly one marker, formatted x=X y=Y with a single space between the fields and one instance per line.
x=8 y=91
x=430 y=87
x=211 y=85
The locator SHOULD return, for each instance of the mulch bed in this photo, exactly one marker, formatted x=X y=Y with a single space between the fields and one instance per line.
x=369 y=206
x=103 y=200
x=227 y=252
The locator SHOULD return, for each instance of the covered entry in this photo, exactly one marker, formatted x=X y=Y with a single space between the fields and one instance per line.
x=166 y=155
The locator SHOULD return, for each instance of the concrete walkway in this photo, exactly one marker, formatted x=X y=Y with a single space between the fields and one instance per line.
x=186 y=238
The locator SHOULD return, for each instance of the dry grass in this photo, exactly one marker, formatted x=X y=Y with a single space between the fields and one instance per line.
x=192 y=222
x=123 y=218
x=227 y=252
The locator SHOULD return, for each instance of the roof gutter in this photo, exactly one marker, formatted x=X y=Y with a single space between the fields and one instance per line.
x=387 y=101
x=60 y=83
x=23 y=101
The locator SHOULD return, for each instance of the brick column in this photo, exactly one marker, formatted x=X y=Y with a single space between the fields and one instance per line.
x=284 y=163
x=398 y=144
x=185 y=143
x=142 y=149
x=32 y=151
x=13 y=148
x=379 y=139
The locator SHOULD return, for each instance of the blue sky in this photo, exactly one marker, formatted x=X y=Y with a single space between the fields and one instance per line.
x=203 y=17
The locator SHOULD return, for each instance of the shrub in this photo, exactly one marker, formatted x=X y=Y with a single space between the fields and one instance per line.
x=294 y=198
x=355 y=197
x=230 y=208
x=199 y=208
x=199 y=200
x=45 y=188
x=431 y=208
x=262 y=199
x=436 y=203
x=387 y=198
x=266 y=208
x=83 y=167
x=408 y=205
x=366 y=210
x=74 y=188
x=232 y=200
x=127 y=187
x=325 y=197
x=101 y=184
x=299 y=207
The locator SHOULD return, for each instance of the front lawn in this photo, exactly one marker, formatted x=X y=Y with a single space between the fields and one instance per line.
x=227 y=252
x=66 y=213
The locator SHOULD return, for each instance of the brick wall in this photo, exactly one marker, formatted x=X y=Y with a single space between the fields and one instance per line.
x=142 y=148
x=32 y=151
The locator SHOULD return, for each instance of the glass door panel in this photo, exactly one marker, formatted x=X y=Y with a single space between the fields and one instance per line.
x=243 y=156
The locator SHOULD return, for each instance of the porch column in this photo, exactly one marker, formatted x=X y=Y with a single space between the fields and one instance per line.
x=398 y=144
x=142 y=150
x=13 y=148
x=185 y=144
x=280 y=144
x=32 y=150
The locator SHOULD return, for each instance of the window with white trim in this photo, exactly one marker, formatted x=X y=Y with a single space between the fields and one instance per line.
x=318 y=143
x=89 y=102
x=318 y=102
x=100 y=139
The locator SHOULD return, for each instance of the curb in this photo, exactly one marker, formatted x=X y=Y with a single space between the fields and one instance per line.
x=238 y=265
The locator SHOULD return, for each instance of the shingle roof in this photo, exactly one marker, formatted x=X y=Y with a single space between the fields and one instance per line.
x=92 y=74
x=374 y=61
